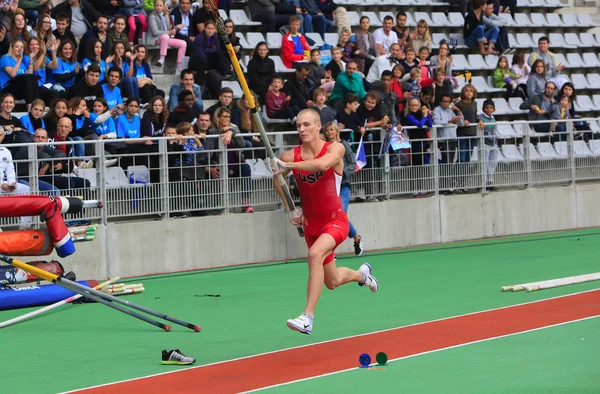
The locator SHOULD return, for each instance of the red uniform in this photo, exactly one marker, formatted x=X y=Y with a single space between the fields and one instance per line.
x=321 y=204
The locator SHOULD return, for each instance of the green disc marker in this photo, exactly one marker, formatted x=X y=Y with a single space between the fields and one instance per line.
x=381 y=358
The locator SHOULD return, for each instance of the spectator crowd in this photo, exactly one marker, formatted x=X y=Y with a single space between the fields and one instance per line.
x=82 y=69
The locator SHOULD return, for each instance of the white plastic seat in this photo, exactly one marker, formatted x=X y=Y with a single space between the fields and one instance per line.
x=546 y=150
x=507 y=131
x=492 y=61
x=475 y=155
x=255 y=38
x=460 y=39
x=591 y=60
x=482 y=85
x=513 y=43
x=538 y=20
x=575 y=60
x=511 y=154
x=579 y=81
x=460 y=63
x=273 y=121
x=375 y=21
x=424 y=16
x=502 y=107
x=533 y=153
x=240 y=18
x=522 y=19
x=274 y=40
x=332 y=38
x=587 y=40
x=354 y=18
x=243 y=42
x=279 y=66
x=557 y=40
x=526 y=40
x=569 y=20
x=572 y=39
x=439 y=19
x=562 y=60
x=596 y=100
x=436 y=38
x=562 y=148
x=514 y=103
x=456 y=19
x=477 y=62
x=595 y=147
x=580 y=149
x=316 y=37
x=585 y=20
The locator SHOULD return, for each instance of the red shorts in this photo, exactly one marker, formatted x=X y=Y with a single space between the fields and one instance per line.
x=335 y=225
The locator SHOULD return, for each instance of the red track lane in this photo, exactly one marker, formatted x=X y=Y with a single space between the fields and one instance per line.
x=310 y=361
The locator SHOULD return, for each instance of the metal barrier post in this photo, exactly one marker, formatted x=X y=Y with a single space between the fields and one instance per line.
x=164 y=176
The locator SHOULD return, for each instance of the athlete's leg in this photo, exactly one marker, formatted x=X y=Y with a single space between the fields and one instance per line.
x=317 y=253
x=338 y=276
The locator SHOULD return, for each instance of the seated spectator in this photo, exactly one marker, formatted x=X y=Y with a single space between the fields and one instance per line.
x=294 y=48
x=15 y=132
x=191 y=144
x=441 y=86
x=111 y=7
x=116 y=34
x=366 y=49
x=16 y=74
x=202 y=15
x=8 y=179
x=133 y=10
x=81 y=127
x=18 y=28
x=397 y=76
x=402 y=31
x=39 y=58
x=318 y=21
x=541 y=107
x=443 y=61
x=129 y=85
x=62 y=31
x=348 y=119
x=161 y=32
x=491 y=20
x=237 y=167
x=129 y=124
x=424 y=65
x=94 y=56
x=226 y=100
x=297 y=88
x=490 y=142
x=409 y=62
x=248 y=126
x=87 y=43
x=33 y=120
x=348 y=82
x=416 y=83
x=317 y=75
x=418 y=116
x=537 y=79
x=505 y=78
x=154 y=120
x=75 y=152
x=385 y=37
x=334 y=68
x=277 y=103
x=326 y=114
x=62 y=77
x=233 y=38
x=421 y=38
x=102 y=123
x=388 y=99
x=81 y=14
x=261 y=70
x=88 y=88
x=377 y=122
x=112 y=93
x=186 y=82
x=58 y=109
x=264 y=11
x=43 y=30
x=542 y=52
x=346 y=43
x=207 y=55
x=386 y=62
x=474 y=33
x=139 y=69
x=520 y=67
x=7 y=11
x=185 y=110
x=561 y=113
x=42 y=167
x=184 y=23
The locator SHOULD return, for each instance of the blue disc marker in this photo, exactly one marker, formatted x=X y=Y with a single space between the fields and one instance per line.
x=364 y=360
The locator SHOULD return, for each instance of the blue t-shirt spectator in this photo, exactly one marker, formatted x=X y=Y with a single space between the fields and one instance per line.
x=9 y=61
x=128 y=128
x=112 y=97
x=64 y=74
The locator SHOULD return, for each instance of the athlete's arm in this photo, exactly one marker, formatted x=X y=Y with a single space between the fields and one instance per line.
x=333 y=157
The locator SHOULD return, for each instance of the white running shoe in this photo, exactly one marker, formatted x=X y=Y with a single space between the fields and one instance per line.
x=370 y=280
x=302 y=323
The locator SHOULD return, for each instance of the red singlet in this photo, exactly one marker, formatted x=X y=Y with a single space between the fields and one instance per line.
x=321 y=204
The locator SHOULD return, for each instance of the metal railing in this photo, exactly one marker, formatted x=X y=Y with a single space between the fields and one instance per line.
x=155 y=180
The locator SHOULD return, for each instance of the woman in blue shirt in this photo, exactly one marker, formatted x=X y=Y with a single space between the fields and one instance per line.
x=37 y=56
x=63 y=76
x=128 y=123
x=94 y=55
x=139 y=68
x=16 y=74
x=129 y=85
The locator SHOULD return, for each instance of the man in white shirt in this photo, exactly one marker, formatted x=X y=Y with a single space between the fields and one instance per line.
x=384 y=36
x=385 y=62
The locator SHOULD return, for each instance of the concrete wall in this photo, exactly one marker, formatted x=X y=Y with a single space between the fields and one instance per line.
x=145 y=247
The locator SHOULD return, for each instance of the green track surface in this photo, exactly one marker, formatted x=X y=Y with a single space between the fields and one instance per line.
x=83 y=345
x=562 y=359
